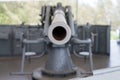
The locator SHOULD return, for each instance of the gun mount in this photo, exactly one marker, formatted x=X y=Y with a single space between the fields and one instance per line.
x=58 y=30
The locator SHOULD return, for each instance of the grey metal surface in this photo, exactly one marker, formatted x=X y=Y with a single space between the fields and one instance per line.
x=35 y=32
x=47 y=19
x=59 y=61
x=103 y=32
x=70 y=21
x=9 y=41
x=5 y=46
x=102 y=39
x=101 y=44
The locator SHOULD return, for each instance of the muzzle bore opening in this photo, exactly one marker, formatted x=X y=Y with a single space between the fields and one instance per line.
x=59 y=33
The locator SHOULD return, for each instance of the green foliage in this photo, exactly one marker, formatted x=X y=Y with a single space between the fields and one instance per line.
x=114 y=35
x=4 y=19
x=17 y=12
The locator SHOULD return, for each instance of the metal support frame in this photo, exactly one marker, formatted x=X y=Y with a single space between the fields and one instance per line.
x=91 y=58
x=77 y=41
x=22 y=64
x=23 y=59
x=24 y=42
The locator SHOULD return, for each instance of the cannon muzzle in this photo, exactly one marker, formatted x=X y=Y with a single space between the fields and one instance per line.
x=59 y=32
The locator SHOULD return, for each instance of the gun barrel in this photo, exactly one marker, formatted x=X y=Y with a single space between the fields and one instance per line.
x=59 y=32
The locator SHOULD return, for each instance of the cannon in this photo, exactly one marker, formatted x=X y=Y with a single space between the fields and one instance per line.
x=59 y=29
x=59 y=34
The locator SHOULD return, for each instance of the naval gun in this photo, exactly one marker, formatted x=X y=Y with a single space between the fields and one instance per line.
x=59 y=34
x=58 y=30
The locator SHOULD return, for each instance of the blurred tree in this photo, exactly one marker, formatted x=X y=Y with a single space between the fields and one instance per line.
x=103 y=12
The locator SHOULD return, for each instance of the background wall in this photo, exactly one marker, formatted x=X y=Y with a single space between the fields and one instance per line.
x=10 y=43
